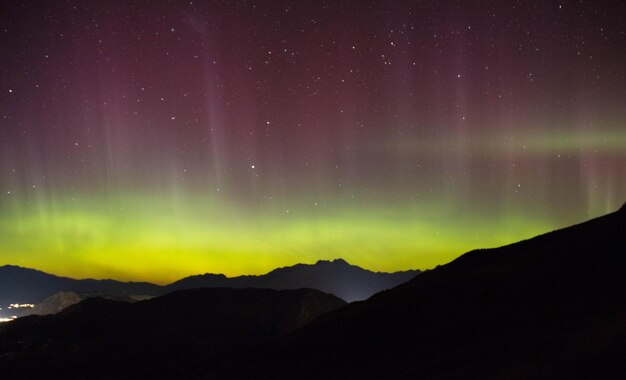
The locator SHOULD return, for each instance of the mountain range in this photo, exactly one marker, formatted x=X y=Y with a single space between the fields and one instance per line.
x=553 y=306
x=349 y=282
x=24 y=285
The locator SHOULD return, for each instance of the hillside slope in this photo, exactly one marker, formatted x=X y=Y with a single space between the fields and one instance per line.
x=551 y=306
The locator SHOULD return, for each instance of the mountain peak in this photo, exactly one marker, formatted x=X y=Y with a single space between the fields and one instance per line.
x=335 y=261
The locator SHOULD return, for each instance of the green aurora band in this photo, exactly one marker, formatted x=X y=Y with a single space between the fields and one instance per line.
x=163 y=234
x=138 y=237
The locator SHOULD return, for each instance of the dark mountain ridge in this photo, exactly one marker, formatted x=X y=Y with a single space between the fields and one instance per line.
x=24 y=285
x=348 y=282
x=553 y=306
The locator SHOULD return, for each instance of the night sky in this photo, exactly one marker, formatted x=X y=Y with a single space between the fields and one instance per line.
x=149 y=140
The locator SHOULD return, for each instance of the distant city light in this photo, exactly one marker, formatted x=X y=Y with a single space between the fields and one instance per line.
x=21 y=305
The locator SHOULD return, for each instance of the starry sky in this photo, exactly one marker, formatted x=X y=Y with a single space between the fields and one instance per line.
x=150 y=140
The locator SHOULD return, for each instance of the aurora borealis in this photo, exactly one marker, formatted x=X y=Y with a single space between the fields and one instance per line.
x=149 y=140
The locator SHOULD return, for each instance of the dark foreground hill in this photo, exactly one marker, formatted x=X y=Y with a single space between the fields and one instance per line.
x=550 y=307
x=182 y=334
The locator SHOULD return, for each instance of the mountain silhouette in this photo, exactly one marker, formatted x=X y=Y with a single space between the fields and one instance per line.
x=348 y=282
x=549 y=307
x=170 y=335
x=23 y=285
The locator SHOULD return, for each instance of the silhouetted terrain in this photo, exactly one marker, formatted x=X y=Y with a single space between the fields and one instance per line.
x=23 y=285
x=57 y=302
x=175 y=335
x=52 y=304
x=550 y=307
x=348 y=282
